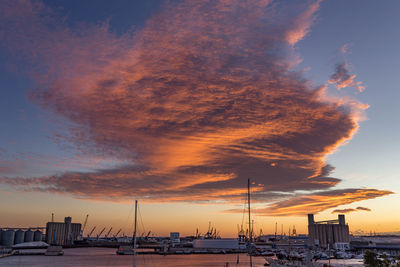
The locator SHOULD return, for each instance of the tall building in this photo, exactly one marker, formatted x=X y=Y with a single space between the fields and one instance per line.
x=62 y=233
x=324 y=233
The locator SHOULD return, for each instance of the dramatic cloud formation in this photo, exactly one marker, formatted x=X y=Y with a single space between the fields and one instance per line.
x=195 y=103
x=350 y=210
x=342 y=78
x=317 y=202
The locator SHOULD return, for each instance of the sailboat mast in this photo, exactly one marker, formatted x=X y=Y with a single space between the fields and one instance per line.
x=134 y=237
x=248 y=201
x=250 y=228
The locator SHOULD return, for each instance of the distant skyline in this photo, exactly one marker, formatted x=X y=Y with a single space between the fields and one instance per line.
x=178 y=103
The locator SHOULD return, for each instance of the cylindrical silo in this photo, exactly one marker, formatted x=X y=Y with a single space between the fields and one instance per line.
x=29 y=236
x=19 y=236
x=37 y=235
x=7 y=238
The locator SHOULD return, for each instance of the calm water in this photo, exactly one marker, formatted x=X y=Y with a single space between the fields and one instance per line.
x=106 y=257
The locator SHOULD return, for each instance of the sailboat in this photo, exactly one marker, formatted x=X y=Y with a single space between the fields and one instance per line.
x=250 y=245
x=130 y=250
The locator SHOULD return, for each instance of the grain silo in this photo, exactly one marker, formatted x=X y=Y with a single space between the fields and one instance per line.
x=19 y=236
x=7 y=238
x=37 y=235
x=29 y=236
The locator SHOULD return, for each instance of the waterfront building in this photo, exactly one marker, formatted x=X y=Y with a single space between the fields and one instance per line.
x=383 y=244
x=327 y=233
x=174 y=237
x=62 y=233
x=223 y=243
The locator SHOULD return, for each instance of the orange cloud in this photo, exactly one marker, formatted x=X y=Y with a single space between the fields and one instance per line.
x=317 y=202
x=302 y=23
x=195 y=103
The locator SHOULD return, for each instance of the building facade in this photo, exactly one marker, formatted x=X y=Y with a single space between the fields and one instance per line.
x=328 y=233
x=62 y=233
x=224 y=243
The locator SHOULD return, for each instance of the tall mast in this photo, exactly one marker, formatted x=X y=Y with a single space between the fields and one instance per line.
x=134 y=237
x=250 y=228
x=248 y=201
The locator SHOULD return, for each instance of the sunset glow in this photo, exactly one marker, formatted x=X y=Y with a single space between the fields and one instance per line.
x=179 y=107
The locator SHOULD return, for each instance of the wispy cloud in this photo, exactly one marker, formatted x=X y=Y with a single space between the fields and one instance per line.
x=345 y=49
x=302 y=23
x=348 y=210
x=200 y=99
x=363 y=208
x=342 y=78
x=344 y=210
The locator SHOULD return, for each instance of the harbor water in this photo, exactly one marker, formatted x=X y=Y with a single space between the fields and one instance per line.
x=106 y=257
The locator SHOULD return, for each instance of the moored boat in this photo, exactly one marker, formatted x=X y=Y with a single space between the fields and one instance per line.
x=125 y=250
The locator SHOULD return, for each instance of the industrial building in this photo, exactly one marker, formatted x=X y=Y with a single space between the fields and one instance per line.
x=62 y=233
x=328 y=233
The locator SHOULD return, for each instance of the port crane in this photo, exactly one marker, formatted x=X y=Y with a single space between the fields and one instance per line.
x=109 y=231
x=144 y=235
x=115 y=236
x=83 y=229
x=148 y=234
x=98 y=235
x=241 y=233
x=91 y=232
x=84 y=224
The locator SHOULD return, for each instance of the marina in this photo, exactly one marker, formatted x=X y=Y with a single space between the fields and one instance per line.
x=106 y=257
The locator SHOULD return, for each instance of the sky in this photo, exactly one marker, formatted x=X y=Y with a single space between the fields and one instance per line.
x=179 y=103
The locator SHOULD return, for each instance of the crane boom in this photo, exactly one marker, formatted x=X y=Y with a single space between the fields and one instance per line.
x=109 y=231
x=80 y=237
x=91 y=232
x=148 y=234
x=117 y=233
x=98 y=235
x=84 y=224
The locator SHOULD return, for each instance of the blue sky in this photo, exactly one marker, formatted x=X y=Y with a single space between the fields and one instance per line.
x=369 y=160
